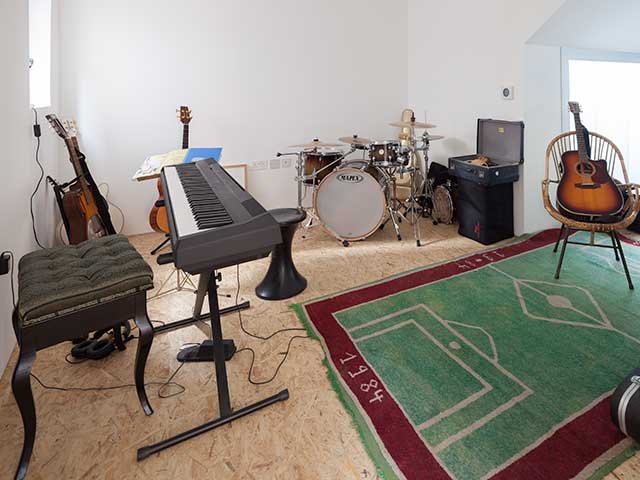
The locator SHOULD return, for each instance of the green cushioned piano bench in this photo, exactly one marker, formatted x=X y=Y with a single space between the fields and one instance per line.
x=67 y=292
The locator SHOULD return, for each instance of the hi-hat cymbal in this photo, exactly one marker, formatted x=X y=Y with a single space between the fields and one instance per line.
x=412 y=125
x=355 y=140
x=316 y=144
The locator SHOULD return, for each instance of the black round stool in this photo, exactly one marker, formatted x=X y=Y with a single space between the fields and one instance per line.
x=282 y=279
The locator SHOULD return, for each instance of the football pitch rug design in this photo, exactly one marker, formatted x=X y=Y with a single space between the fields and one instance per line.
x=487 y=367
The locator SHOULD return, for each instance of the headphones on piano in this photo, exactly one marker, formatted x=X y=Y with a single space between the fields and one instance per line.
x=99 y=347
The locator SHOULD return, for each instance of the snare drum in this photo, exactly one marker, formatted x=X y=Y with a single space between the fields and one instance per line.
x=384 y=152
x=317 y=165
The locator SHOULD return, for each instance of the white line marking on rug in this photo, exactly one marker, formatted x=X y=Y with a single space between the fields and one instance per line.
x=497 y=411
x=606 y=325
x=604 y=320
x=384 y=318
x=491 y=341
x=492 y=360
x=607 y=456
x=546 y=436
x=486 y=387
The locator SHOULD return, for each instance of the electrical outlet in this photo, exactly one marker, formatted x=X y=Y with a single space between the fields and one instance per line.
x=287 y=162
x=274 y=163
x=259 y=165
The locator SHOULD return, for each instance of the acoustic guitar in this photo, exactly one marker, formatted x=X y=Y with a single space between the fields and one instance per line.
x=158 y=215
x=85 y=209
x=586 y=189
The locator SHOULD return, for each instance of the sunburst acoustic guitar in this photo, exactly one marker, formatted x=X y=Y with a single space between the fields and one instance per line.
x=586 y=189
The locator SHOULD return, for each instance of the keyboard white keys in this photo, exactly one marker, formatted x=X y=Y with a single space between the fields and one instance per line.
x=182 y=215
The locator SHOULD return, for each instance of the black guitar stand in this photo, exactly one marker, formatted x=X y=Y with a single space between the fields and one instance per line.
x=227 y=414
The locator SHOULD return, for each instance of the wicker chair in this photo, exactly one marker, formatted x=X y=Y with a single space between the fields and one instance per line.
x=602 y=149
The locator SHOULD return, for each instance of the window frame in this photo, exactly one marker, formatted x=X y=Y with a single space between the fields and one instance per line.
x=50 y=7
x=569 y=54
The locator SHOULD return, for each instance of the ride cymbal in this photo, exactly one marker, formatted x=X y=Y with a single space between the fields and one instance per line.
x=412 y=125
x=316 y=144
x=355 y=140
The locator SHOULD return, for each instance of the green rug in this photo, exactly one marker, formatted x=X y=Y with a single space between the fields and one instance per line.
x=487 y=367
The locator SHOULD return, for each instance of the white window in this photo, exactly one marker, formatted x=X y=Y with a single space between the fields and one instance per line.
x=607 y=86
x=40 y=52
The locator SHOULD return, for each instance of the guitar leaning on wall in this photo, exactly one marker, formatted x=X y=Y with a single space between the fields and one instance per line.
x=85 y=209
x=158 y=215
x=586 y=188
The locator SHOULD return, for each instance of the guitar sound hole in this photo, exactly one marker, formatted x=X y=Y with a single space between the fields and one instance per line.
x=586 y=169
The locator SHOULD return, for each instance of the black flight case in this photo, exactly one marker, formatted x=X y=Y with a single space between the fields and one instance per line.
x=485 y=193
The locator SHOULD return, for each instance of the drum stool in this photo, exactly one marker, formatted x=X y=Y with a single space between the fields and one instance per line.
x=283 y=279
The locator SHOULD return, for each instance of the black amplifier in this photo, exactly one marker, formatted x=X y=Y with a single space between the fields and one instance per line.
x=500 y=146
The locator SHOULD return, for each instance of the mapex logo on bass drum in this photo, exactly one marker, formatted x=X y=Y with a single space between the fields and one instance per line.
x=350 y=177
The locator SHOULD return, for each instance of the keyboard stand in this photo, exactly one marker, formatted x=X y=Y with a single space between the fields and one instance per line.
x=227 y=414
x=199 y=316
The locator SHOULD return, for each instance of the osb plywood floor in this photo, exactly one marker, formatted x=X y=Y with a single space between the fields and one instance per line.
x=95 y=435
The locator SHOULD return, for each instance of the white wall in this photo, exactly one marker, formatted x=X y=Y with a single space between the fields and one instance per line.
x=460 y=55
x=593 y=24
x=15 y=233
x=258 y=75
x=543 y=120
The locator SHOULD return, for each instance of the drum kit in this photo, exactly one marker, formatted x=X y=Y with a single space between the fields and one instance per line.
x=353 y=196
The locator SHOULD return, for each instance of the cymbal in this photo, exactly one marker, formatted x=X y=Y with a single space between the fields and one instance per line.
x=412 y=125
x=355 y=140
x=432 y=138
x=316 y=144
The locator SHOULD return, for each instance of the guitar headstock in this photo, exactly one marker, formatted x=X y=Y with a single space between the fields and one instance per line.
x=71 y=127
x=57 y=126
x=184 y=114
x=574 y=107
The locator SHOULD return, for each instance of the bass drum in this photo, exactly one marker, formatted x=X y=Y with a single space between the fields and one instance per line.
x=351 y=202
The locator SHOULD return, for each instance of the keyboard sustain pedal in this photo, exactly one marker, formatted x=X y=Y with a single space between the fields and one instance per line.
x=204 y=352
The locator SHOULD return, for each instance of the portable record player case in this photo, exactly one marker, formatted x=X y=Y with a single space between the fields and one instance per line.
x=485 y=193
x=502 y=143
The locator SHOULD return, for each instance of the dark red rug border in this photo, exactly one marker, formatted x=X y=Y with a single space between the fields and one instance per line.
x=554 y=458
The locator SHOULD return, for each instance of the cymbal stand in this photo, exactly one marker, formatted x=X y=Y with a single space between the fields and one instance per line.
x=415 y=207
x=393 y=205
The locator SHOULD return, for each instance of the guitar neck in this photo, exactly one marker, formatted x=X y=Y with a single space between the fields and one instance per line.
x=583 y=156
x=77 y=168
x=185 y=136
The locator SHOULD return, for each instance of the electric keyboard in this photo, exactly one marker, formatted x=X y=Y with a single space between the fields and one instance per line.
x=213 y=221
